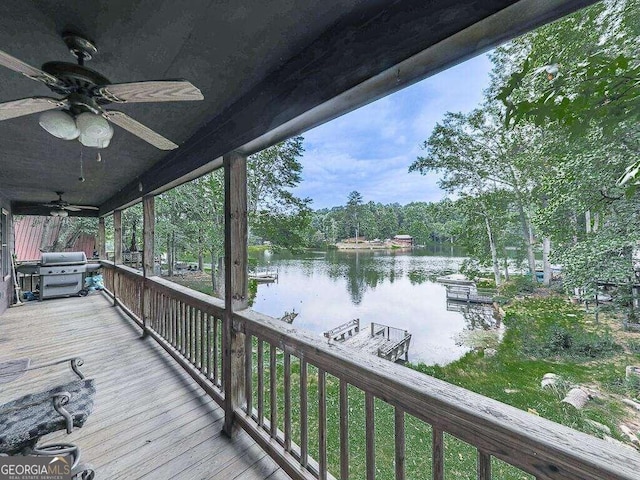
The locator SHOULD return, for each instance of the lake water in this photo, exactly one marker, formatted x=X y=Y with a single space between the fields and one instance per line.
x=395 y=288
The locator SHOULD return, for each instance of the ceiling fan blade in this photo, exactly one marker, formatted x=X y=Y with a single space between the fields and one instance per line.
x=152 y=91
x=71 y=208
x=77 y=208
x=139 y=130
x=27 y=70
x=27 y=106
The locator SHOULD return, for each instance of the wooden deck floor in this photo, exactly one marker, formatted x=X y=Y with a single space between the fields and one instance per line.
x=150 y=419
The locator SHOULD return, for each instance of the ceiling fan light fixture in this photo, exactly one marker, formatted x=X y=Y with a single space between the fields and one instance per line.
x=60 y=124
x=59 y=213
x=94 y=129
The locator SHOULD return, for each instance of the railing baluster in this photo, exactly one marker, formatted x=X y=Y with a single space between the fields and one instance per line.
x=400 y=443
x=202 y=340
x=370 y=435
x=304 y=415
x=193 y=336
x=484 y=466
x=181 y=314
x=208 y=344
x=170 y=320
x=248 y=373
x=189 y=333
x=344 y=430
x=193 y=356
x=287 y=402
x=159 y=309
x=438 y=454
x=273 y=392
x=197 y=360
x=322 y=424
x=216 y=365
x=157 y=314
x=260 y=382
x=183 y=324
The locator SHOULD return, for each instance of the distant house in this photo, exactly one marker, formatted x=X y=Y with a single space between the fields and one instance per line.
x=403 y=240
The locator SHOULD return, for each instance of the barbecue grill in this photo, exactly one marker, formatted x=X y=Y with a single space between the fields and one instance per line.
x=61 y=273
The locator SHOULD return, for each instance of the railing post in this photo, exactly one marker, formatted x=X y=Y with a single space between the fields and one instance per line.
x=102 y=247
x=235 y=279
x=117 y=237
x=148 y=230
x=117 y=252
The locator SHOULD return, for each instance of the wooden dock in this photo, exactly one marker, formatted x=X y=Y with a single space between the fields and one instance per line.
x=264 y=276
x=469 y=294
x=383 y=341
x=150 y=419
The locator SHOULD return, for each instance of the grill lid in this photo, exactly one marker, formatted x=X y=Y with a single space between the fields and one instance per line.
x=63 y=258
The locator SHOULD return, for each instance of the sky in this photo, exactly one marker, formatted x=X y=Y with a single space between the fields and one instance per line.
x=370 y=149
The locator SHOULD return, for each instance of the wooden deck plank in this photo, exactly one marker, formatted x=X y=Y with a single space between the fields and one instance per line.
x=150 y=419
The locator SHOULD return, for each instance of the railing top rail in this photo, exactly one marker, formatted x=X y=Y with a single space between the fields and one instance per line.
x=122 y=268
x=531 y=443
x=194 y=298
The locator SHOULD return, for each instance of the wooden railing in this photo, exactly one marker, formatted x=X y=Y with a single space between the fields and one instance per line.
x=188 y=324
x=322 y=410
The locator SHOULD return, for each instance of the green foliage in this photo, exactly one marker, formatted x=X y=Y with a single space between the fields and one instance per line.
x=634 y=346
x=275 y=214
x=434 y=222
x=513 y=375
x=518 y=285
x=551 y=328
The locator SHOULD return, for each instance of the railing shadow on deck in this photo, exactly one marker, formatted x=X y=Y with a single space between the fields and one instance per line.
x=291 y=380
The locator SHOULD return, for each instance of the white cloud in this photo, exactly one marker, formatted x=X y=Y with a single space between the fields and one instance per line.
x=371 y=149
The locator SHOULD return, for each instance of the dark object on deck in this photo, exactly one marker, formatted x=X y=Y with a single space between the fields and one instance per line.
x=25 y=420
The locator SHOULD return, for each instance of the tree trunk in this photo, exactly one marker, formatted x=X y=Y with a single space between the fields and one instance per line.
x=506 y=267
x=174 y=250
x=169 y=256
x=494 y=253
x=596 y=222
x=546 y=250
x=213 y=271
x=574 y=225
x=221 y=285
x=527 y=234
x=531 y=257
x=587 y=221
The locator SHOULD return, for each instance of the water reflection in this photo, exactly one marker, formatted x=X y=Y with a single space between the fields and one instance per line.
x=394 y=288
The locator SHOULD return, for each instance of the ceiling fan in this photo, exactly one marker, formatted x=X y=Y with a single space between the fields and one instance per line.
x=80 y=113
x=62 y=208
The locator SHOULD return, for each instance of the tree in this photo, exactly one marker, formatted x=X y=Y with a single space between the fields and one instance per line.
x=275 y=213
x=354 y=202
x=477 y=155
x=579 y=79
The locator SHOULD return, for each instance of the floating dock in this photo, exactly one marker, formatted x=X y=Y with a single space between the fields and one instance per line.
x=383 y=341
x=265 y=276
x=469 y=294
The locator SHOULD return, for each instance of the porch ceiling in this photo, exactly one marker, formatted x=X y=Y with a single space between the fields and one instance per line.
x=267 y=70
